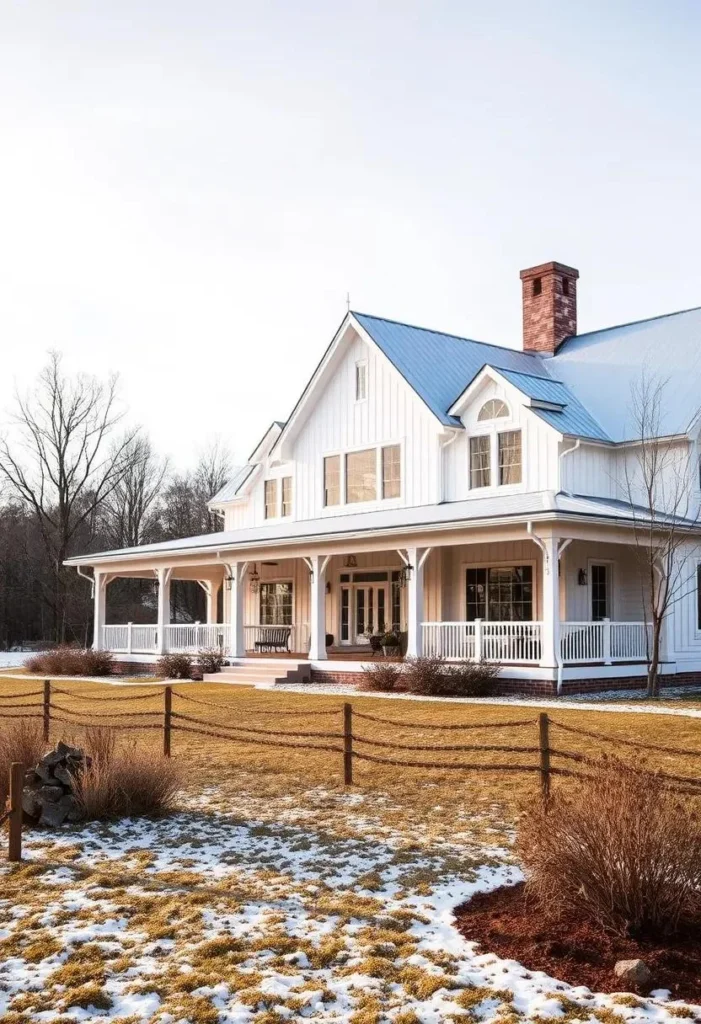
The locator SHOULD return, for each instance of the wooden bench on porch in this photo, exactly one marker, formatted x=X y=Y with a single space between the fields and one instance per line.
x=273 y=638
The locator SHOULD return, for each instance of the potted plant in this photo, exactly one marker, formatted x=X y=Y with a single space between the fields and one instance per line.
x=390 y=643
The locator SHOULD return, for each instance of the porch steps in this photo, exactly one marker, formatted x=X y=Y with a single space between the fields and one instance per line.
x=262 y=674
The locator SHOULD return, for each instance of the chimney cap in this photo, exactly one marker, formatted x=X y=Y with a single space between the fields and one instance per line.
x=549 y=268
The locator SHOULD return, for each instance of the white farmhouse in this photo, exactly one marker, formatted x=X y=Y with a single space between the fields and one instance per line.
x=472 y=498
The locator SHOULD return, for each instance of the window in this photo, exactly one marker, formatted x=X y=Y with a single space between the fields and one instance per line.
x=391 y=471
x=493 y=409
x=480 y=449
x=600 y=592
x=361 y=473
x=510 y=457
x=537 y=285
x=361 y=382
x=286 y=508
x=332 y=480
x=270 y=499
x=500 y=594
x=275 y=604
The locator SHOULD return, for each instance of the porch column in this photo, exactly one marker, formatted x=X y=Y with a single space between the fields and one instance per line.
x=211 y=591
x=237 y=640
x=317 y=619
x=163 y=575
x=415 y=559
x=99 y=607
x=550 y=630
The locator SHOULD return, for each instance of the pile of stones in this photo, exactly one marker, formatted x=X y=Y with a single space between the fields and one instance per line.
x=47 y=797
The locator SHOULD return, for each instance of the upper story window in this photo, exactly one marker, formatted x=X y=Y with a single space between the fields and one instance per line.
x=361 y=475
x=510 y=457
x=270 y=495
x=391 y=471
x=286 y=506
x=332 y=480
x=480 y=461
x=361 y=381
x=494 y=409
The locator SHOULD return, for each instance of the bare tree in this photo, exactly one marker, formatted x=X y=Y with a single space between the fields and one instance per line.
x=212 y=471
x=130 y=511
x=59 y=463
x=659 y=473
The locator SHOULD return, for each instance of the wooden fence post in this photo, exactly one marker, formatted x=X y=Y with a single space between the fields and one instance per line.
x=47 y=709
x=348 y=744
x=544 y=744
x=14 y=852
x=167 y=706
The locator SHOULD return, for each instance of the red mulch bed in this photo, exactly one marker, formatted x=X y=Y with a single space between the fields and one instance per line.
x=505 y=923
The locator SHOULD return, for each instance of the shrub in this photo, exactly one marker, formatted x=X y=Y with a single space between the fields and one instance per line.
x=434 y=677
x=174 y=666
x=20 y=740
x=628 y=860
x=210 y=659
x=100 y=743
x=383 y=676
x=125 y=780
x=71 y=661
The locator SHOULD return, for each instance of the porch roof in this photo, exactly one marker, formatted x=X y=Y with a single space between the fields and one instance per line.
x=496 y=509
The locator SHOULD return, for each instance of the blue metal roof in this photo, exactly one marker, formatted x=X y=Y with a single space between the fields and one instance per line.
x=571 y=418
x=440 y=366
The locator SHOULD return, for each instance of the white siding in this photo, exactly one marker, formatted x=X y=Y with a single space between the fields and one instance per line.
x=627 y=604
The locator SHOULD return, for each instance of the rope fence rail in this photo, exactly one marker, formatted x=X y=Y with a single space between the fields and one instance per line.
x=352 y=745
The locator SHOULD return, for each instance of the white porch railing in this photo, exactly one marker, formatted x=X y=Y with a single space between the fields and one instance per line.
x=504 y=642
x=261 y=635
x=604 y=641
x=195 y=636
x=130 y=639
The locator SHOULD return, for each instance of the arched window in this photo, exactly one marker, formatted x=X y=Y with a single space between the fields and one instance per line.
x=493 y=410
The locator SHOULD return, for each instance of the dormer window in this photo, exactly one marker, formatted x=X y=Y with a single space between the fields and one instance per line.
x=361 y=382
x=270 y=497
x=494 y=409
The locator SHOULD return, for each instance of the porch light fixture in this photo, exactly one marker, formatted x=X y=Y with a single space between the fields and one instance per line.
x=351 y=562
x=405 y=575
x=228 y=580
x=254 y=580
x=582 y=577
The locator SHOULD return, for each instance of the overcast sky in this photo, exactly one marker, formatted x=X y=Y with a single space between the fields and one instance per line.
x=188 y=190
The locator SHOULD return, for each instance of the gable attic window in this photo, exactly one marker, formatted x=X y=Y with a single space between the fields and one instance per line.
x=510 y=457
x=286 y=507
x=361 y=475
x=537 y=285
x=361 y=381
x=494 y=409
x=391 y=471
x=270 y=494
x=480 y=458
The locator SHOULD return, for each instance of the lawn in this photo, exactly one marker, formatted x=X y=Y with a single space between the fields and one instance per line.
x=276 y=894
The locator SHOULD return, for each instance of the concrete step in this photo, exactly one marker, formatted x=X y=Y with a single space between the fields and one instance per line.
x=261 y=675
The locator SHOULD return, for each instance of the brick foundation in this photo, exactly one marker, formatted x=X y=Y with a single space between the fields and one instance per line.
x=132 y=668
x=538 y=687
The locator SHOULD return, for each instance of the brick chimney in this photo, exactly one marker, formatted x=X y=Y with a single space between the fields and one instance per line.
x=549 y=306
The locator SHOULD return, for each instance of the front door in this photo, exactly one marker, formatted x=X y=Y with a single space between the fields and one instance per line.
x=365 y=609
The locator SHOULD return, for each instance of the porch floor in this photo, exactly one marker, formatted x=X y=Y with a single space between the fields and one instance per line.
x=332 y=654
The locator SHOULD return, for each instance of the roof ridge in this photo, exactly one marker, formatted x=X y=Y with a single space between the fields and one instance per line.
x=629 y=323
x=444 y=334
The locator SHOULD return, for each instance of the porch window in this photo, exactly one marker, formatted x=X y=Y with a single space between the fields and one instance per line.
x=500 y=594
x=286 y=509
x=600 y=592
x=270 y=499
x=332 y=480
x=391 y=471
x=510 y=457
x=480 y=475
x=361 y=475
x=275 y=604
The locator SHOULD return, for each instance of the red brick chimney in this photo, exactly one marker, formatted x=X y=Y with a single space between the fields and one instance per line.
x=549 y=306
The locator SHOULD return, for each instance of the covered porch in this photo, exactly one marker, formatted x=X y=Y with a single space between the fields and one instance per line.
x=538 y=603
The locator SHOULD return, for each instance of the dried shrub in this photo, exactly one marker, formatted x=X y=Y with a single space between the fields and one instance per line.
x=100 y=743
x=130 y=780
x=174 y=666
x=210 y=659
x=381 y=676
x=71 y=661
x=627 y=860
x=435 y=677
x=20 y=740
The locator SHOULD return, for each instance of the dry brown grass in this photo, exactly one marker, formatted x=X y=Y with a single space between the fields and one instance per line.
x=20 y=740
x=629 y=861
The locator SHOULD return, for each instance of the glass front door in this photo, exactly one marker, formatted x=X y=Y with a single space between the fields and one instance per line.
x=365 y=609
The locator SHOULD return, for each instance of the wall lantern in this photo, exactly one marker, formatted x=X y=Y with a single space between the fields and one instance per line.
x=405 y=575
x=582 y=577
x=328 y=588
x=351 y=562
x=228 y=580
x=254 y=580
